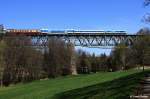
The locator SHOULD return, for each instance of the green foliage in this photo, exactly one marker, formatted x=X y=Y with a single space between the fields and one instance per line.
x=83 y=62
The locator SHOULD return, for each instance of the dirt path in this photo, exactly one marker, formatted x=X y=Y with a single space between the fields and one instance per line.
x=143 y=91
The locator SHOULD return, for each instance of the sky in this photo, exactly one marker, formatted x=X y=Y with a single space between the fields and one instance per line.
x=74 y=14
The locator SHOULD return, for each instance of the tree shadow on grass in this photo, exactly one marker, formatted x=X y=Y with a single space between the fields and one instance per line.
x=120 y=88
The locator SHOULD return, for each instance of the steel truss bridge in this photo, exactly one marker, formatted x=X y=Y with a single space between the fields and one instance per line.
x=85 y=40
x=90 y=40
x=103 y=39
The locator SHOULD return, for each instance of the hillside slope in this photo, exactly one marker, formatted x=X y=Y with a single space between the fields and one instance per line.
x=76 y=87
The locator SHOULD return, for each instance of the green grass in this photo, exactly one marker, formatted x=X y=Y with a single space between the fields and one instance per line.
x=113 y=85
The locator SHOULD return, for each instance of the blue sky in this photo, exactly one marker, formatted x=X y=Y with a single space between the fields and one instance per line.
x=74 y=14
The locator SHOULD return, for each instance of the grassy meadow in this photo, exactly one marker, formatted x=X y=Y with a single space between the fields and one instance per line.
x=104 y=85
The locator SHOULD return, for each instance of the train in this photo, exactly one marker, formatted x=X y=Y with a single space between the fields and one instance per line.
x=96 y=32
x=23 y=32
x=69 y=32
x=48 y=32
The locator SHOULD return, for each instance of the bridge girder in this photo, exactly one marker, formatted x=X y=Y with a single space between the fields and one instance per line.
x=103 y=41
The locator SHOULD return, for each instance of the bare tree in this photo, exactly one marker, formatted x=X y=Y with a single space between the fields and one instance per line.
x=58 y=58
x=146 y=2
x=22 y=62
x=146 y=17
x=2 y=62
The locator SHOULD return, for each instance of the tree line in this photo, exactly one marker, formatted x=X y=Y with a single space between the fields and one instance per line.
x=122 y=57
x=22 y=63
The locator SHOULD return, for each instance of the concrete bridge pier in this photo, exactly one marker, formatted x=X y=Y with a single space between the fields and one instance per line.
x=73 y=60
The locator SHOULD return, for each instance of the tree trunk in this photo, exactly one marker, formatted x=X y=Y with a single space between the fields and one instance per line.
x=1 y=82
